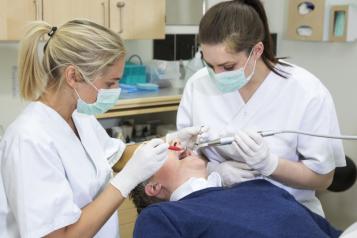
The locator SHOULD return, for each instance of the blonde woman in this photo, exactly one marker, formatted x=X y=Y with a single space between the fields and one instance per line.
x=55 y=158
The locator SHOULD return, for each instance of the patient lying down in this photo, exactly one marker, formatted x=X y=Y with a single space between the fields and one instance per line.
x=181 y=200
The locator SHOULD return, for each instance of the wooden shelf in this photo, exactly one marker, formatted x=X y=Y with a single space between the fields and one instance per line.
x=164 y=101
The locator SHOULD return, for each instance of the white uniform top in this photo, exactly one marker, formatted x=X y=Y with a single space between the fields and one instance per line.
x=48 y=174
x=350 y=232
x=300 y=102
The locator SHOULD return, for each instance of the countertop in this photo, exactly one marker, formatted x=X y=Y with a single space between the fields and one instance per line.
x=164 y=100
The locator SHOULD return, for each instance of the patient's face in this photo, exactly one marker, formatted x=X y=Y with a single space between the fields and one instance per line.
x=179 y=166
x=184 y=158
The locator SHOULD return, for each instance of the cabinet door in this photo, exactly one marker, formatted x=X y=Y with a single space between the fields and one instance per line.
x=3 y=27
x=138 y=19
x=58 y=12
x=15 y=14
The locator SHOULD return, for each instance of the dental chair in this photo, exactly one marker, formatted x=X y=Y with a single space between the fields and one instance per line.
x=344 y=177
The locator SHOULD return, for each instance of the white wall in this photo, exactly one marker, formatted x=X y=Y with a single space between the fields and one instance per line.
x=10 y=105
x=334 y=63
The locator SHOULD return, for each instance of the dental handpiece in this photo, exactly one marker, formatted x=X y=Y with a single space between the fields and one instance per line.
x=275 y=132
x=229 y=140
x=219 y=141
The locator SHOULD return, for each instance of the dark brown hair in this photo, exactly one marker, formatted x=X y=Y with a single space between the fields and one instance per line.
x=140 y=199
x=240 y=24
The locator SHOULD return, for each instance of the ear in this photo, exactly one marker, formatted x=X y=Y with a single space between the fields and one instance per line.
x=71 y=76
x=153 y=189
x=258 y=49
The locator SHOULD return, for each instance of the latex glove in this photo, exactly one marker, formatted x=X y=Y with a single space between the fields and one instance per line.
x=233 y=172
x=255 y=152
x=189 y=136
x=228 y=152
x=145 y=162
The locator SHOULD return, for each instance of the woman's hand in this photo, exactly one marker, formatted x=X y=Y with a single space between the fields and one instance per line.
x=252 y=148
x=189 y=136
x=233 y=172
x=146 y=160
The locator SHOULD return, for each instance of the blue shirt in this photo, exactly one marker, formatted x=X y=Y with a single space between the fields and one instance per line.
x=251 y=209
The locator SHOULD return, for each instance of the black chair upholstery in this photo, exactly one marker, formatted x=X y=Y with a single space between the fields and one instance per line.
x=344 y=177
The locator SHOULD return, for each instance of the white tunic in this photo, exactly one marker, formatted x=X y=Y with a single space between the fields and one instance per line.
x=48 y=174
x=300 y=102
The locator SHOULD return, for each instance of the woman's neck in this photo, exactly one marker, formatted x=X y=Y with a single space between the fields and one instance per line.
x=61 y=103
x=260 y=74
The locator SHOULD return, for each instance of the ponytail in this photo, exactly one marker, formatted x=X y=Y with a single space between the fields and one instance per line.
x=31 y=71
x=267 y=41
x=90 y=47
x=268 y=56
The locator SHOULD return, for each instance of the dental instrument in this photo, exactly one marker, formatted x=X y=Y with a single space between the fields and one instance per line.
x=175 y=148
x=266 y=133
x=275 y=132
x=219 y=141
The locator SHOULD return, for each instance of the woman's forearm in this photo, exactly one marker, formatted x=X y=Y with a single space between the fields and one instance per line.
x=127 y=154
x=93 y=216
x=298 y=175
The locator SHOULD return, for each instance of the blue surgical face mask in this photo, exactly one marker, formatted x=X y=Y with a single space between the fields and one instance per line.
x=230 y=81
x=106 y=99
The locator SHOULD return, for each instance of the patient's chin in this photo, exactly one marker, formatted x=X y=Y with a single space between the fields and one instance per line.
x=196 y=159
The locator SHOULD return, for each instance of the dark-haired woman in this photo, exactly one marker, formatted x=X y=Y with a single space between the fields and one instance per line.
x=245 y=86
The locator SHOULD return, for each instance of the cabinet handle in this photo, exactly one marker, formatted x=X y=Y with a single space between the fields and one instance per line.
x=36 y=9
x=104 y=19
x=120 y=5
x=204 y=6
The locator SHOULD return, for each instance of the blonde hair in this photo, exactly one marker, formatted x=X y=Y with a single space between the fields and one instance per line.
x=90 y=47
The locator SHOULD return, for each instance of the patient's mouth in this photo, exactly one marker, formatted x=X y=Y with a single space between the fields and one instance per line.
x=175 y=148
x=181 y=157
x=184 y=154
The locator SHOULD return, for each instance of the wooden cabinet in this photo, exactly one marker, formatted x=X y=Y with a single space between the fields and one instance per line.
x=127 y=217
x=14 y=14
x=132 y=19
x=3 y=27
x=138 y=19
x=58 y=12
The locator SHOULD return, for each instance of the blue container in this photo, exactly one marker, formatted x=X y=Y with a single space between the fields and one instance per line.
x=134 y=74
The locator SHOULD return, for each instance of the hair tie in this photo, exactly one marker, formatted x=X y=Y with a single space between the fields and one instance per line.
x=52 y=31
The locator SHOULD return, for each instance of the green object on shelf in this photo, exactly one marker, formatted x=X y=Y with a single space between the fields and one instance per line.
x=148 y=86
x=340 y=19
x=134 y=73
